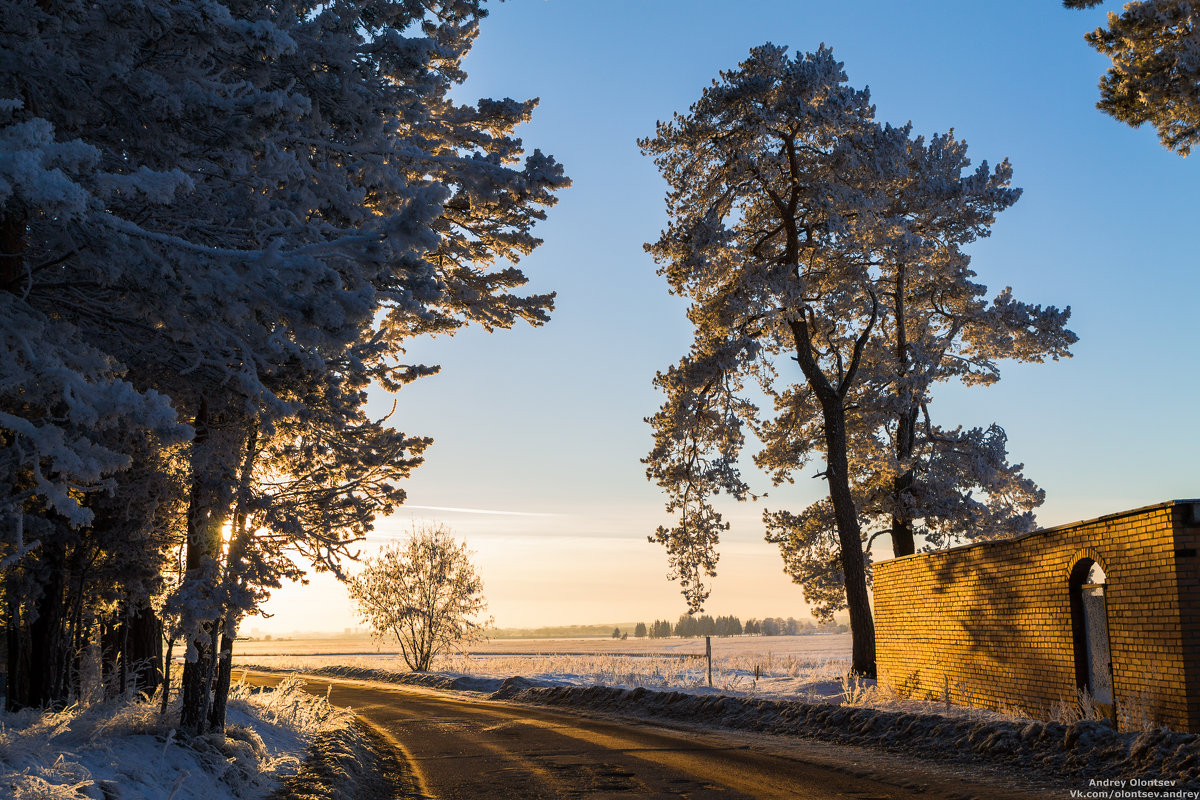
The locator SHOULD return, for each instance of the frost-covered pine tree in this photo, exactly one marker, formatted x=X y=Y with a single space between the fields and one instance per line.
x=803 y=231
x=329 y=471
x=767 y=196
x=69 y=410
x=913 y=479
x=1155 y=75
x=231 y=195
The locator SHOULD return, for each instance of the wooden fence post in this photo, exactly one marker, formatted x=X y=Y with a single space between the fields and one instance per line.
x=708 y=655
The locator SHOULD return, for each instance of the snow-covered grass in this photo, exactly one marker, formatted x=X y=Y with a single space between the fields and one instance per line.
x=802 y=668
x=789 y=676
x=764 y=676
x=813 y=646
x=127 y=750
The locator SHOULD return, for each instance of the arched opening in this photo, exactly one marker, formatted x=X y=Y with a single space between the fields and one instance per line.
x=1089 y=617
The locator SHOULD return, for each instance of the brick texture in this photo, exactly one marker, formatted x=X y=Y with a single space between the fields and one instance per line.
x=992 y=622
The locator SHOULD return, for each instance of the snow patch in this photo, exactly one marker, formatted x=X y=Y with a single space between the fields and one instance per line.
x=128 y=750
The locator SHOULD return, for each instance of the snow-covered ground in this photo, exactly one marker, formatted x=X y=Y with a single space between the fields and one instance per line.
x=810 y=669
x=812 y=646
x=783 y=666
x=127 y=750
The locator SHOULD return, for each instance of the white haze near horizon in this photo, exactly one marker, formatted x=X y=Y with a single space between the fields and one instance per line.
x=537 y=574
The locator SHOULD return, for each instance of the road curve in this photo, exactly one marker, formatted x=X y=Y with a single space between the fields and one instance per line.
x=468 y=748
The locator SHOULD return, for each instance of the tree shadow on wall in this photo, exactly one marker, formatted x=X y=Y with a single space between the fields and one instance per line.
x=1010 y=646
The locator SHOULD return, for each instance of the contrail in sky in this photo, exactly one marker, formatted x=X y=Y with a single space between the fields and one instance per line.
x=481 y=511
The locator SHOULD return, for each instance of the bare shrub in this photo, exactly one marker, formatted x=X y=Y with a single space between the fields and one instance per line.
x=425 y=592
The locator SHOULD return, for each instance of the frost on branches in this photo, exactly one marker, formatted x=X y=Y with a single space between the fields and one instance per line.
x=1155 y=75
x=822 y=255
x=219 y=223
x=425 y=592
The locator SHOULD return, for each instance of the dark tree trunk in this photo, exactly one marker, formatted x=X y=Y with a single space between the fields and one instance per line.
x=112 y=633
x=123 y=664
x=17 y=691
x=215 y=445
x=903 y=538
x=12 y=268
x=216 y=718
x=238 y=544
x=850 y=541
x=166 y=684
x=193 y=716
x=78 y=645
x=47 y=650
x=143 y=651
x=195 y=689
x=76 y=639
x=858 y=601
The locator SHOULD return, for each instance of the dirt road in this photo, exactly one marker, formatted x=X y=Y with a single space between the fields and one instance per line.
x=464 y=748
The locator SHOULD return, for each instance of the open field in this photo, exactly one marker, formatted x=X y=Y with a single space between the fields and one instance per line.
x=835 y=646
x=812 y=668
x=777 y=666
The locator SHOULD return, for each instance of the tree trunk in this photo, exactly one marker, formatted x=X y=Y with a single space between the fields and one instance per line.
x=111 y=634
x=47 y=653
x=193 y=715
x=238 y=544
x=858 y=602
x=144 y=649
x=207 y=509
x=216 y=718
x=216 y=450
x=166 y=684
x=17 y=691
x=837 y=474
x=12 y=267
x=123 y=644
x=76 y=635
x=903 y=538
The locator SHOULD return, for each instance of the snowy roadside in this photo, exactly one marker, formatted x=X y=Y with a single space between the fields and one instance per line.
x=1058 y=749
x=127 y=750
x=747 y=675
x=1085 y=748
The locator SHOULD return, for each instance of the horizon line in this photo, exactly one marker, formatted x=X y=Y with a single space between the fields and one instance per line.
x=459 y=510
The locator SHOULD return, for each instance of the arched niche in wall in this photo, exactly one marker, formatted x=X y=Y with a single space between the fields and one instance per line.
x=1089 y=623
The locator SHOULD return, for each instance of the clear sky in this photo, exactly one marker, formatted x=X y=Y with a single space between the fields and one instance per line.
x=546 y=425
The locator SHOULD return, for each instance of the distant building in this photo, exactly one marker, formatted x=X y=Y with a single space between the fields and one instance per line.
x=1110 y=606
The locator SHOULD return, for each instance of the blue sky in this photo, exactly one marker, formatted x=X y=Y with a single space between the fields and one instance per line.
x=548 y=422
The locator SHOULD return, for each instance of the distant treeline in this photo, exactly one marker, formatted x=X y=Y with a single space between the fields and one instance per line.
x=690 y=625
x=556 y=632
x=687 y=626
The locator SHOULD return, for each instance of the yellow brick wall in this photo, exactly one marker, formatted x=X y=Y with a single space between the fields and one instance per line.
x=992 y=621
